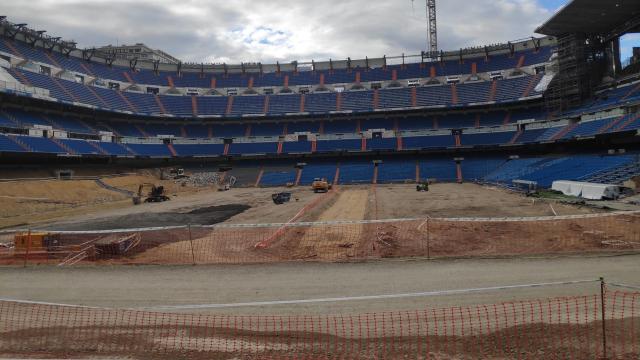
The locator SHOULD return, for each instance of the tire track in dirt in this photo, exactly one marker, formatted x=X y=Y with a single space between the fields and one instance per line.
x=339 y=241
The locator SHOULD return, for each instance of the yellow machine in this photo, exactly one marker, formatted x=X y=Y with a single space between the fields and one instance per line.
x=320 y=185
x=39 y=241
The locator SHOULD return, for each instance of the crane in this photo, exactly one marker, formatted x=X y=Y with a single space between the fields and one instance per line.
x=433 y=28
x=432 y=40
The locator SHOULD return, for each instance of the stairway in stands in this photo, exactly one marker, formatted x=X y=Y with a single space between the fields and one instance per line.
x=615 y=176
x=19 y=142
x=63 y=146
x=172 y=150
x=564 y=131
x=97 y=147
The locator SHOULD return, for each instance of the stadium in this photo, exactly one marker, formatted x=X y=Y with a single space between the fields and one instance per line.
x=472 y=203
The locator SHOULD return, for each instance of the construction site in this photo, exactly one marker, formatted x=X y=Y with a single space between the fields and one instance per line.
x=169 y=216
x=280 y=190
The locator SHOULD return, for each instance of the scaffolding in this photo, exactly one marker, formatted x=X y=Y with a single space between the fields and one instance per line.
x=581 y=65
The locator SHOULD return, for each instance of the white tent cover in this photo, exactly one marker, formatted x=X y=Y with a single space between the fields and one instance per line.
x=591 y=191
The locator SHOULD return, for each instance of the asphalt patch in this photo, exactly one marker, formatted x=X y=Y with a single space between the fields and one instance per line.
x=202 y=216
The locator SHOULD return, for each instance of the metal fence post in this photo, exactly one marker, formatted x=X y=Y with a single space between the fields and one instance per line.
x=428 y=239
x=604 y=326
x=26 y=253
x=193 y=255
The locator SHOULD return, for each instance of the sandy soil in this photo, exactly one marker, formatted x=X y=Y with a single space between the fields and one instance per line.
x=393 y=201
x=438 y=238
x=463 y=200
x=28 y=201
x=330 y=243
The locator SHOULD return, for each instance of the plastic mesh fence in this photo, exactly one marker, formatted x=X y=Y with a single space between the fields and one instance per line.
x=556 y=328
x=335 y=241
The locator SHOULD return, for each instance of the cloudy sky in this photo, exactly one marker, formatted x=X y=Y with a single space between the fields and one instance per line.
x=268 y=30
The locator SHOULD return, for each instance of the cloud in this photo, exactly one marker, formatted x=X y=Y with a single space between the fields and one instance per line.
x=279 y=30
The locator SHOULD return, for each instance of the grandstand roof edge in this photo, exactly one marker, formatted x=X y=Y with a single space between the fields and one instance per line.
x=338 y=64
x=589 y=17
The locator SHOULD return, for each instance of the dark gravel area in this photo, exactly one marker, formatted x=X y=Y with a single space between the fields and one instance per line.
x=201 y=216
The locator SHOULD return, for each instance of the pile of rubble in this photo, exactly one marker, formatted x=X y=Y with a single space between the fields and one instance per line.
x=200 y=179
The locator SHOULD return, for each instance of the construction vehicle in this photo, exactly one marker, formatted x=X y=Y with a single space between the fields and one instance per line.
x=155 y=194
x=36 y=241
x=177 y=173
x=281 y=198
x=320 y=185
x=422 y=186
x=173 y=174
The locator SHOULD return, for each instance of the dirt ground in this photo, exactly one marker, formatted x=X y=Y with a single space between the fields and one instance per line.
x=155 y=287
x=28 y=202
x=83 y=202
x=464 y=200
x=345 y=242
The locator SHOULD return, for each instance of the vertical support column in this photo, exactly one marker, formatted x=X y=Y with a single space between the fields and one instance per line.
x=339 y=102
x=229 y=105
x=265 y=109
x=363 y=145
x=247 y=130
x=459 y=172
x=417 y=171
x=414 y=97
x=376 y=98
x=302 y=100
x=493 y=91
x=194 y=105
x=454 y=94
x=507 y=118
x=458 y=140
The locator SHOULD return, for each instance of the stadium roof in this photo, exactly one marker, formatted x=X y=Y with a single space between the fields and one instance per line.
x=590 y=17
